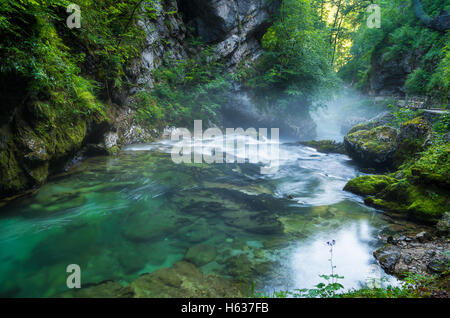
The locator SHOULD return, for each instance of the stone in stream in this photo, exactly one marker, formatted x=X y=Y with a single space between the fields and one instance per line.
x=201 y=254
x=380 y=145
x=184 y=279
x=443 y=226
x=374 y=148
x=108 y=289
x=141 y=228
x=259 y=224
x=197 y=232
x=408 y=254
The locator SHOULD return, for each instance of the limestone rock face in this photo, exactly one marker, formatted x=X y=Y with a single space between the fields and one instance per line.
x=164 y=35
x=235 y=26
x=389 y=77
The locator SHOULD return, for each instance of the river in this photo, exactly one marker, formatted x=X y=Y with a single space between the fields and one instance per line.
x=120 y=216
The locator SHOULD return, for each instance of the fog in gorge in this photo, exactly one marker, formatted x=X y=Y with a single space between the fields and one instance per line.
x=344 y=110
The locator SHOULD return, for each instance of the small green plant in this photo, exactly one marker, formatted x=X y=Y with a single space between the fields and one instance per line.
x=332 y=285
x=329 y=289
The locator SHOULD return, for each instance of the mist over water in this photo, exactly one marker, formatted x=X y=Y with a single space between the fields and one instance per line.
x=343 y=111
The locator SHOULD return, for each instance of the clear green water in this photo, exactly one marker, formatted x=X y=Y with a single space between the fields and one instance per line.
x=119 y=217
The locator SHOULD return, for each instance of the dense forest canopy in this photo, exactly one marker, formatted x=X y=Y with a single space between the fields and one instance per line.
x=82 y=69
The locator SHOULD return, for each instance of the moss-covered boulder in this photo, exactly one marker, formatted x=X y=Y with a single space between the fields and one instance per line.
x=375 y=147
x=417 y=202
x=404 y=197
x=385 y=146
x=413 y=138
x=432 y=168
x=369 y=185
x=325 y=146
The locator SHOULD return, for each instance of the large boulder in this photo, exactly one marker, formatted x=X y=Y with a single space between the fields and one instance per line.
x=375 y=147
x=414 y=137
x=377 y=144
x=412 y=255
x=369 y=185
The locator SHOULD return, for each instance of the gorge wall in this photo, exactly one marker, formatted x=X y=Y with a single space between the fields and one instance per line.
x=35 y=144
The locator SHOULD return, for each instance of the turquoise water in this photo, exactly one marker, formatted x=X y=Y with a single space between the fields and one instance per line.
x=119 y=217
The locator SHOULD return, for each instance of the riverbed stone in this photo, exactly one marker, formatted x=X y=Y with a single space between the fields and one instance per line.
x=184 y=280
x=368 y=185
x=399 y=257
x=260 y=223
x=108 y=289
x=201 y=254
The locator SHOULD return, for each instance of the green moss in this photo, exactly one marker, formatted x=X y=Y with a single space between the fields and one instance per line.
x=376 y=140
x=12 y=176
x=411 y=140
x=113 y=150
x=325 y=146
x=368 y=185
x=433 y=166
x=362 y=126
x=416 y=201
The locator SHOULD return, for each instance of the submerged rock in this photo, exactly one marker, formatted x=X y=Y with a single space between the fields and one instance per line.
x=260 y=223
x=145 y=228
x=107 y=289
x=201 y=254
x=240 y=267
x=184 y=280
